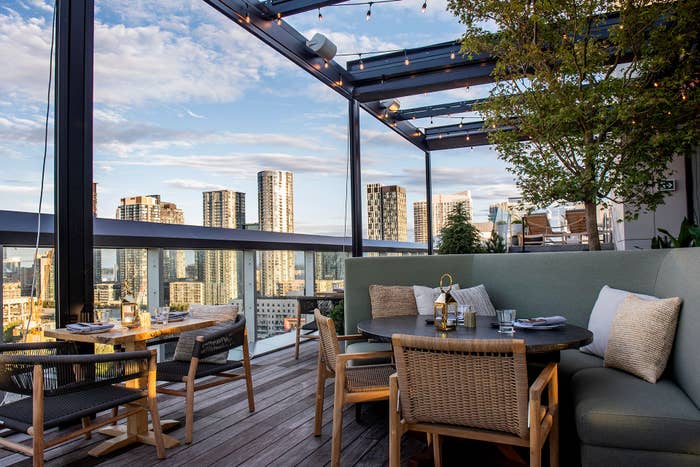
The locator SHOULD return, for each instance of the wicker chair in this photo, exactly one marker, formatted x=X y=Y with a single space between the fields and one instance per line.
x=353 y=384
x=476 y=389
x=206 y=345
x=538 y=229
x=65 y=388
x=576 y=224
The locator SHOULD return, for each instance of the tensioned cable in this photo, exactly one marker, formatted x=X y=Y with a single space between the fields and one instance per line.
x=43 y=174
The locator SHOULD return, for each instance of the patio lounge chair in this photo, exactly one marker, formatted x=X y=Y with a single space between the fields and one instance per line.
x=210 y=341
x=71 y=388
x=475 y=389
x=353 y=384
x=576 y=224
x=537 y=229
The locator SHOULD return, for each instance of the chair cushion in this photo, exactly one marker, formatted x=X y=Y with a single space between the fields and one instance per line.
x=642 y=335
x=477 y=297
x=185 y=344
x=392 y=300
x=175 y=370
x=617 y=409
x=66 y=407
x=602 y=316
x=364 y=346
x=426 y=296
x=215 y=312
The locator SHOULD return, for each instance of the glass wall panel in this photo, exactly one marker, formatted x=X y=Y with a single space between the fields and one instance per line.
x=118 y=272
x=280 y=274
x=329 y=271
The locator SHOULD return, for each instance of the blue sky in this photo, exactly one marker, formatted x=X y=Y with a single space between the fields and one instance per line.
x=187 y=101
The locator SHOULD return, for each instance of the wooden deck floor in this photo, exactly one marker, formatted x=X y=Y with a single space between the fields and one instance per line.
x=279 y=432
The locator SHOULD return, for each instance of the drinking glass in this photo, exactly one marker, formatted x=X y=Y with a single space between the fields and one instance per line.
x=461 y=311
x=103 y=316
x=163 y=314
x=506 y=318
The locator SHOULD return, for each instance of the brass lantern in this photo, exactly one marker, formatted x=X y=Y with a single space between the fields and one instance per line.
x=444 y=306
x=129 y=308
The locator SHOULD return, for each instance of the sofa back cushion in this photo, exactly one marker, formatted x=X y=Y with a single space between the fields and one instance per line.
x=679 y=276
x=392 y=300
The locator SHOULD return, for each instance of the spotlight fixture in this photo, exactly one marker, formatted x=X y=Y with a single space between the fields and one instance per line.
x=322 y=46
x=369 y=12
x=392 y=105
x=424 y=7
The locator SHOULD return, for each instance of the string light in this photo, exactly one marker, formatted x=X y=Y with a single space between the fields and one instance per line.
x=362 y=64
x=452 y=55
x=406 y=60
x=247 y=16
x=656 y=85
x=325 y=63
x=424 y=7
x=467 y=138
x=369 y=12
x=461 y=123
x=279 y=19
x=320 y=15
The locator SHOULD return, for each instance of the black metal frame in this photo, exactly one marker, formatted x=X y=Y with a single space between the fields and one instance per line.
x=355 y=176
x=73 y=162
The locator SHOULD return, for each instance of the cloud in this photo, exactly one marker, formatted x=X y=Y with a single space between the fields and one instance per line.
x=191 y=184
x=194 y=115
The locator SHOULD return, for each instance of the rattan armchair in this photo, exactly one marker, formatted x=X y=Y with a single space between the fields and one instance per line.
x=476 y=389
x=227 y=336
x=353 y=384
x=65 y=388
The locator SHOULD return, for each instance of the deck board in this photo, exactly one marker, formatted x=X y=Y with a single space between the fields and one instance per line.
x=278 y=433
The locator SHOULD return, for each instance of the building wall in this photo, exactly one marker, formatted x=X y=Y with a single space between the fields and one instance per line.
x=186 y=293
x=443 y=205
x=386 y=212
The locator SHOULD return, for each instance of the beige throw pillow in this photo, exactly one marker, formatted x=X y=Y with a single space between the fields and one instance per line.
x=215 y=312
x=642 y=336
x=392 y=300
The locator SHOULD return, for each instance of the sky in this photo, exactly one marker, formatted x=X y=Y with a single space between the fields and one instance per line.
x=187 y=101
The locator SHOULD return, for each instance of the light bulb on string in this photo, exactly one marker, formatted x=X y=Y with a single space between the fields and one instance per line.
x=452 y=55
x=369 y=12
x=362 y=64
x=461 y=122
x=467 y=138
x=325 y=63
x=279 y=19
x=247 y=15
x=406 y=60
x=320 y=15
x=424 y=7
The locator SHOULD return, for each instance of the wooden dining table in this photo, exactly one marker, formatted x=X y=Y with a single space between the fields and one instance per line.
x=137 y=429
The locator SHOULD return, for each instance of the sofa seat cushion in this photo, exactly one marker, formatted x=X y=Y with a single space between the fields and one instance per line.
x=616 y=409
x=573 y=360
x=364 y=346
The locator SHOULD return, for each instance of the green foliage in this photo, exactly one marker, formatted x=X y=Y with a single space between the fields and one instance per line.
x=605 y=117
x=337 y=314
x=688 y=236
x=8 y=331
x=495 y=244
x=459 y=236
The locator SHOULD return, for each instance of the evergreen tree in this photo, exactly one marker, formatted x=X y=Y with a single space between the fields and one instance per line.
x=495 y=244
x=459 y=236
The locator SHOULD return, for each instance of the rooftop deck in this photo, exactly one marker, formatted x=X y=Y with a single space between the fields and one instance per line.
x=279 y=432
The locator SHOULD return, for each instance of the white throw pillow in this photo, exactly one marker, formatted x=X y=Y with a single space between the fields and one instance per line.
x=602 y=316
x=478 y=298
x=426 y=296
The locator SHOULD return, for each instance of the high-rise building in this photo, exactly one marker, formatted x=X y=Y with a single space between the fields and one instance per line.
x=443 y=205
x=275 y=214
x=220 y=269
x=46 y=284
x=133 y=262
x=184 y=293
x=386 y=212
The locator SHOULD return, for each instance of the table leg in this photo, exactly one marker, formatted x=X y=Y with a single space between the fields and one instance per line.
x=137 y=429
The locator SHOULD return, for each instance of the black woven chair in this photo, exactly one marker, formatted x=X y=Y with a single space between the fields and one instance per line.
x=66 y=388
x=223 y=339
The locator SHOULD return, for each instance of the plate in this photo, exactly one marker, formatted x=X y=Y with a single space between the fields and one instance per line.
x=170 y=320
x=539 y=328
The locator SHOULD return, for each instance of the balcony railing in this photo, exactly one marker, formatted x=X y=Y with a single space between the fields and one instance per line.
x=176 y=265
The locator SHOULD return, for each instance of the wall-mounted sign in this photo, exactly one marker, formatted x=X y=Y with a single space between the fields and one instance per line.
x=667 y=185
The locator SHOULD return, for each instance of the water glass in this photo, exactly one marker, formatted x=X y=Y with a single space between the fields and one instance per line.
x=163 y=314
x=461 y=311
x=103 y=316
x=506 y=318
x=145 y=320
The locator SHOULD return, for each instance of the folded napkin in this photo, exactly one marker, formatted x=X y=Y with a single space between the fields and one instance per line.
x=173 y=315
x=542 y=321
x=79 y=328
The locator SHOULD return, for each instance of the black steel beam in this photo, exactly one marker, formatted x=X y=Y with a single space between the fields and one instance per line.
x=437 y=110
x=355 y=176
x=429 y=201
x=73 y=163
x=18 y=229
x=286 y=40
x=404 y=128
x=453 y=136
x=292 y=7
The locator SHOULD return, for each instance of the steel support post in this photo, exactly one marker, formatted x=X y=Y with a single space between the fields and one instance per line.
x=73 y=161
x=429 y=201
x=355 y=176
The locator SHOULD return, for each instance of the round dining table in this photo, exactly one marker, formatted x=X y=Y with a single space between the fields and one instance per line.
x=537 y=342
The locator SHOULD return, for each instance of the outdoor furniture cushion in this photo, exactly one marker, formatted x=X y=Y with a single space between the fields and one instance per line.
x=642 y=335
x=66 y=407
x=426 y=296
x=215 y=312
x=363 y=347
x=602 y=316
x=618 y=410
x=477 y=297
x=392 y=300
x=572 y=361
x=185 y=344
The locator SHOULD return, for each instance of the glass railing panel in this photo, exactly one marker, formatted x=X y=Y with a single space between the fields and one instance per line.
x=25 y=314
x=329 y=271
x=116 y=272
x=280 y=276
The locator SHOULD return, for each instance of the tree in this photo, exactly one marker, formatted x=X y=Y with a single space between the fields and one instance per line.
x=458 y=235
x=495 y=244
x=605 y=110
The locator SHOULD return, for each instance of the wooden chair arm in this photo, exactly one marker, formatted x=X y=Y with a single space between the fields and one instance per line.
x=345 y=357
x=543 y=380
x=352 y=337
